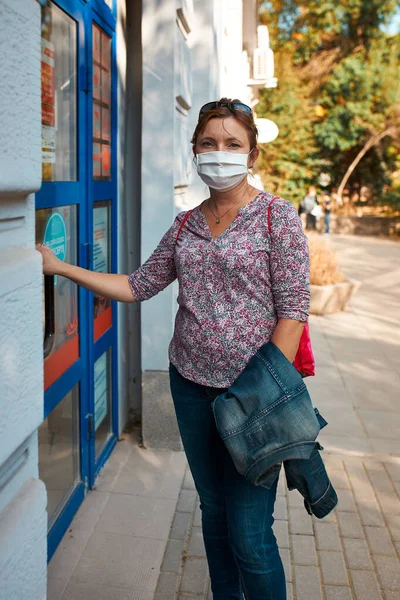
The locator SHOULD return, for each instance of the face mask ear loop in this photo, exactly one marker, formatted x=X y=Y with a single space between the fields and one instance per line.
x=249 y=168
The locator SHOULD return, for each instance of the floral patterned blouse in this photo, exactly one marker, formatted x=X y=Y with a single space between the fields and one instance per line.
x=232 y=289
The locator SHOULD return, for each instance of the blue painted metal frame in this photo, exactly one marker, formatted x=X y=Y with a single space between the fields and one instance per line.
x=57 y=392
x=83 y=193
x=54 y=194
x=108 y=15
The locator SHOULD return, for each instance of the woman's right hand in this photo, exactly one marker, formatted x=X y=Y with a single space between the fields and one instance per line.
x=51 y=264
x=110 y=285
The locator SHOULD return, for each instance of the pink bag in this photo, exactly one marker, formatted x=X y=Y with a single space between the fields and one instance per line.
x=304 y=360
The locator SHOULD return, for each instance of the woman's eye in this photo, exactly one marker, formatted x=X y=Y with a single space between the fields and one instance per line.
x=233 y=145
x=206 y=144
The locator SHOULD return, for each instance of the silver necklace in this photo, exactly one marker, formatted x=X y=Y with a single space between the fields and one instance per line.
x=218 y=218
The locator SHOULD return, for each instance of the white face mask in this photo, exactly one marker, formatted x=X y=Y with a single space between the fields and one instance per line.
x=222 y=170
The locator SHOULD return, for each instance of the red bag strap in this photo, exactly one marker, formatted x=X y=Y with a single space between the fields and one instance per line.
x=269 y=212
x=185 y=218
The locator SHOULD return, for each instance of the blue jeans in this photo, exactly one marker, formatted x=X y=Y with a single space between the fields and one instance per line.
x=327 y=221
x=242 y=552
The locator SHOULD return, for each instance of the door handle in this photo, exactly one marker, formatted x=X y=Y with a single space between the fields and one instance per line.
x=49 y=315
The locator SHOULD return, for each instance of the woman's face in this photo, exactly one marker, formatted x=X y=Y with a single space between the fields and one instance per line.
x=224 y=135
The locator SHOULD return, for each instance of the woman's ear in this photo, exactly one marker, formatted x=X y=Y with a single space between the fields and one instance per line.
x=254 y=154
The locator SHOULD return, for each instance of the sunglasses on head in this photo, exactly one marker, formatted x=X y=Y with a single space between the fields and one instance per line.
x=232 y=106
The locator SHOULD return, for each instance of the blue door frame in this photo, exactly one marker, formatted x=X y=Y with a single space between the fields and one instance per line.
x=83 y=194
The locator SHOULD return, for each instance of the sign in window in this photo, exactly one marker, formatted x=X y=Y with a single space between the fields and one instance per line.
x=57 y=228
x=101 y=264
x=59 y=94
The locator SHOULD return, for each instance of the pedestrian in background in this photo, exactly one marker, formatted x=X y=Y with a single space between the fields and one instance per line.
x=302 y=213
x=243 y=273
x=327 y=206
x=310 y=203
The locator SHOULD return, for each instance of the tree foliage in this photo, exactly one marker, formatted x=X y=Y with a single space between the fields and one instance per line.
x=291 y=160
x=337 y=104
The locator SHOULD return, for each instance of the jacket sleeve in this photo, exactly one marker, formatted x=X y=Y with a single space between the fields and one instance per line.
x=289 y=263
x=159 y=269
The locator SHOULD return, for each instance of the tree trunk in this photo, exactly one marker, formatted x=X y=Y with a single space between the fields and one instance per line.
x=373 y=141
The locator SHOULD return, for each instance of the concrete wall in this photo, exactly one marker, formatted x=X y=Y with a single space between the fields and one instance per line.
x=23 y=519
x=129 y=64
x=158 y=35
x=362 y=225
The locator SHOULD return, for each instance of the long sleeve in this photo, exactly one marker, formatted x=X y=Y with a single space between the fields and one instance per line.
x=159 y=269
x=289 y=263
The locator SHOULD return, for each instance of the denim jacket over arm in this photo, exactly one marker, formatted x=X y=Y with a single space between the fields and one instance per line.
x=266 y=417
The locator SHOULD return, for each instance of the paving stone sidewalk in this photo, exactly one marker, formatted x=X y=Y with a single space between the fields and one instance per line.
x=353 y=554
x=137 y=536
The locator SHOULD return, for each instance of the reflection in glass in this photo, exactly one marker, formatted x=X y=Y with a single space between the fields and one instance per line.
x=102 y=400
x=101 y=49
x=59 y=95
x=101 y=263
x=59 y=453
x=96 y=161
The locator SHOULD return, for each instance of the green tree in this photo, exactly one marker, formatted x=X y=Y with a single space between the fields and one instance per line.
x=318 y=25
x=361 y=112
x=288 y=165
x=337 y=101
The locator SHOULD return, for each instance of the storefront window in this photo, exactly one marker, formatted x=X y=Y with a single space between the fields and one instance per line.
x=101 y=104
x=59 y=95
x=102 y=400
x=59 y=453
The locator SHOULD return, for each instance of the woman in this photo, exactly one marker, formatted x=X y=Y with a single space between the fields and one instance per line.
x=239 y=287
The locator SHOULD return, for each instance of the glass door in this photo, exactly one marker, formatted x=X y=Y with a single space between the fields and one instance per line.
x=63 y=458
x=102 y=180
x=75 y=217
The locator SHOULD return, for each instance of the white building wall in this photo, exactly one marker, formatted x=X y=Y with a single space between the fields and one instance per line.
x=157 y=208
x=206 y=82
x=180 y=73
x=23 y=519
x=183 y=68
x=229 y=17
x=158 y=34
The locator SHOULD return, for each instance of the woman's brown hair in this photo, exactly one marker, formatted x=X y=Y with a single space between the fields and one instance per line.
x=246 y=119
